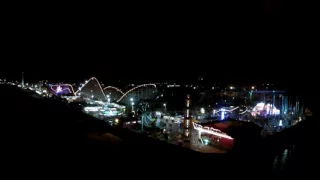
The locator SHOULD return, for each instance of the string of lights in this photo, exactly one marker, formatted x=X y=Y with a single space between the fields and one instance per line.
x=115 y=88
x=142 y=85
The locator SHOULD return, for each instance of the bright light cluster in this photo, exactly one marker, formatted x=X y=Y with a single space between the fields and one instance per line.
x=263 y=109
x=59 y=88
x=92 y=109
x=210 y=130
x=102 y=90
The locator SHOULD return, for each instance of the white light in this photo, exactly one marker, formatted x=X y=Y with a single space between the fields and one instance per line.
x=212 y=131
x=164 y=104
x=132 y=103
x=202 y=110
x=38 y=92
x=59 y=89
x=94 y=109
x=131 y=99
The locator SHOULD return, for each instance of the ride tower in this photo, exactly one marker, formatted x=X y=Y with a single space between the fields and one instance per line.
x=187 y=119
x=22 y=80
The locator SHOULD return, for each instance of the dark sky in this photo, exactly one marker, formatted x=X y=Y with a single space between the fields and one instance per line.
x=247 y=41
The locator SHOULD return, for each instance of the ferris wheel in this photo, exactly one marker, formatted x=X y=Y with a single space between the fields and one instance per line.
x=144 y=110
x=143 y=107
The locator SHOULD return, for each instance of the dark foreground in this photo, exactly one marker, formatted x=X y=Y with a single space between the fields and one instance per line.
x=40 y=136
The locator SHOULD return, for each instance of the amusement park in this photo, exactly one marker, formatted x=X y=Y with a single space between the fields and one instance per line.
x=203 y=124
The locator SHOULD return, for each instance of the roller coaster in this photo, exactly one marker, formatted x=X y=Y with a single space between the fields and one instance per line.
x=57 y=88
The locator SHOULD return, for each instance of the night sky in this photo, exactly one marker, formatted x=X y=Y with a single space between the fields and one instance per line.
x=255 y=41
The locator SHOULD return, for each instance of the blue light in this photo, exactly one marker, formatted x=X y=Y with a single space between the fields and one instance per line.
x=222 y=113
x=206 y=141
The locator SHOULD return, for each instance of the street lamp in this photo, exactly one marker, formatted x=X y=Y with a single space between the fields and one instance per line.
x=165 y=107
x=132 y=103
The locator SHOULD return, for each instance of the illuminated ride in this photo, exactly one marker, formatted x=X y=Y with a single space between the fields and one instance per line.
x=144 y=110
x=207 y=134
x=59 y=88
x=210 y=130
x=113 y=109
x=262 y=109
x=92 y=108
x=225 y=112
x=108 y=109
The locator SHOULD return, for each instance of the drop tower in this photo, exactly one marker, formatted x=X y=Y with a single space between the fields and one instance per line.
x=22 y=80
x=187 y=118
